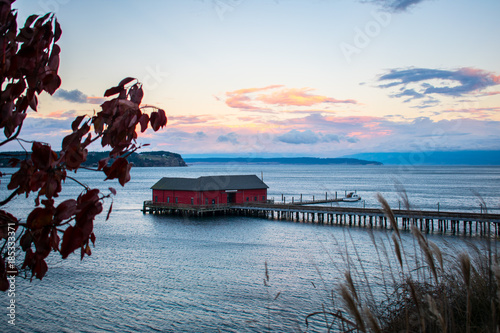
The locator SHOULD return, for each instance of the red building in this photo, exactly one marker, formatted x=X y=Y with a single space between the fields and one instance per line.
x=210 y=190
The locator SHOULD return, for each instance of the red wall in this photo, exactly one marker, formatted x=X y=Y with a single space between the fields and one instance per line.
x=210 y=197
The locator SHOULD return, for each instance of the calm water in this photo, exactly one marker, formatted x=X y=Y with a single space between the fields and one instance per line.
x=172 y=274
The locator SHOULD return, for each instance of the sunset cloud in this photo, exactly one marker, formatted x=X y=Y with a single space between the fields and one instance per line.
x=299 y=137
x=76 y=96
x=230 y=138
x=189 y=120
x=239 y=99
x=63 y=114
x=298 y=97
x=421 y=83
x=395 y=5
x=266 y=98
x=308 y=137
x=477 y=113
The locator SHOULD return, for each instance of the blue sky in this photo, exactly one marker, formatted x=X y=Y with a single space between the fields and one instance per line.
x=285 y=77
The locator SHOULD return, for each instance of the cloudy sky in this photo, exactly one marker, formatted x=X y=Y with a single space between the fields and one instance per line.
x=285 y=77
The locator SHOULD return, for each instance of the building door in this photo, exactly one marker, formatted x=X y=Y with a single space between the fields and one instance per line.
x=231 y=197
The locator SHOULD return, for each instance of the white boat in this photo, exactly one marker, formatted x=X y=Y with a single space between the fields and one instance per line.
x=351 y=197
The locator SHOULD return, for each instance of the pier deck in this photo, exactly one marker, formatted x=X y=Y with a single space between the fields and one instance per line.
x=428 y=221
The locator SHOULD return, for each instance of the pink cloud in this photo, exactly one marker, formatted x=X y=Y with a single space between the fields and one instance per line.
x=240 y=102
x=475 y=113
x=239 y=99
x=189 y=120
x=276 y=95
x=298 y=97
x=95 y=100
x=491 y=93
x=63 y=114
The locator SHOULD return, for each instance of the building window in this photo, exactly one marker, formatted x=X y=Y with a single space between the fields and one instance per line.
x=254 y=198
x=192 y=201
x=156 y=198
x=206 y=201
x=247 y=198
x=263 y=198
x=176 y=200
x=213 y=201
x=168 y=199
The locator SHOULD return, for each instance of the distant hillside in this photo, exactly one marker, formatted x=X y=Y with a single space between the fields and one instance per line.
x=144 y=159
x=281 y=160
x=464 y=157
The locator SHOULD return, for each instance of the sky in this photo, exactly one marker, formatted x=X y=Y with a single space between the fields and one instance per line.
x=323 y=78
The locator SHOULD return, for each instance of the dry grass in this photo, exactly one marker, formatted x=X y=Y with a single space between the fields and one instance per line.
x=425 y=290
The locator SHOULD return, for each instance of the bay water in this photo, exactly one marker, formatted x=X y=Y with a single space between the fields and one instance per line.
x=152 y=273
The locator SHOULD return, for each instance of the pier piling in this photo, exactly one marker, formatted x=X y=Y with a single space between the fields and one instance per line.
x=457 y=223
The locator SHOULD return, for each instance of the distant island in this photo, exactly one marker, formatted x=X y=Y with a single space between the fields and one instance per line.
x=280 y=160
x=143 y=159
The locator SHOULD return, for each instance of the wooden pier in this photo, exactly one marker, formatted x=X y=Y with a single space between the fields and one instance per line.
x=427 y=221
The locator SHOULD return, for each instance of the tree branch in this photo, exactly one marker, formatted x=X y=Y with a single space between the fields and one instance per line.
x=9 y=198
x=78 y=182
x=13 y=137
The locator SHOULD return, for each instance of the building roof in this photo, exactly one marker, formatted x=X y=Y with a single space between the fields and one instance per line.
x=211 y=183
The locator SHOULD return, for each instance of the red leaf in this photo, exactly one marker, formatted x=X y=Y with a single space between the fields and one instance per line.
x=109 y=211
x=43 y=157
x=40 y=268
x=92 y=238
x=125 y=81
x=72 y=239
x=65 y=210
x=158 y=119
x=54 y=239
x=102 y=163
x=51 y=83
x=119 y=169
x=75 y=156
x=85 y=250
x=29 y=259
x=76 y=122
x=30 y=20
x=39 y=218
x=112 y=190
x=54 y=58
x=89 y=205
x=136 y=94
x=57 y=31
x=144 y=120
x=26 y=240
x=41 y=20
x=34 y=103
x=113 y=91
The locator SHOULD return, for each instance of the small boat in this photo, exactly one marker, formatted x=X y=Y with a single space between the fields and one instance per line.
x=351 y=197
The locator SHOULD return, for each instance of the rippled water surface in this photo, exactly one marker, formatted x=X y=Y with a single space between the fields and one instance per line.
x=152 y=273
